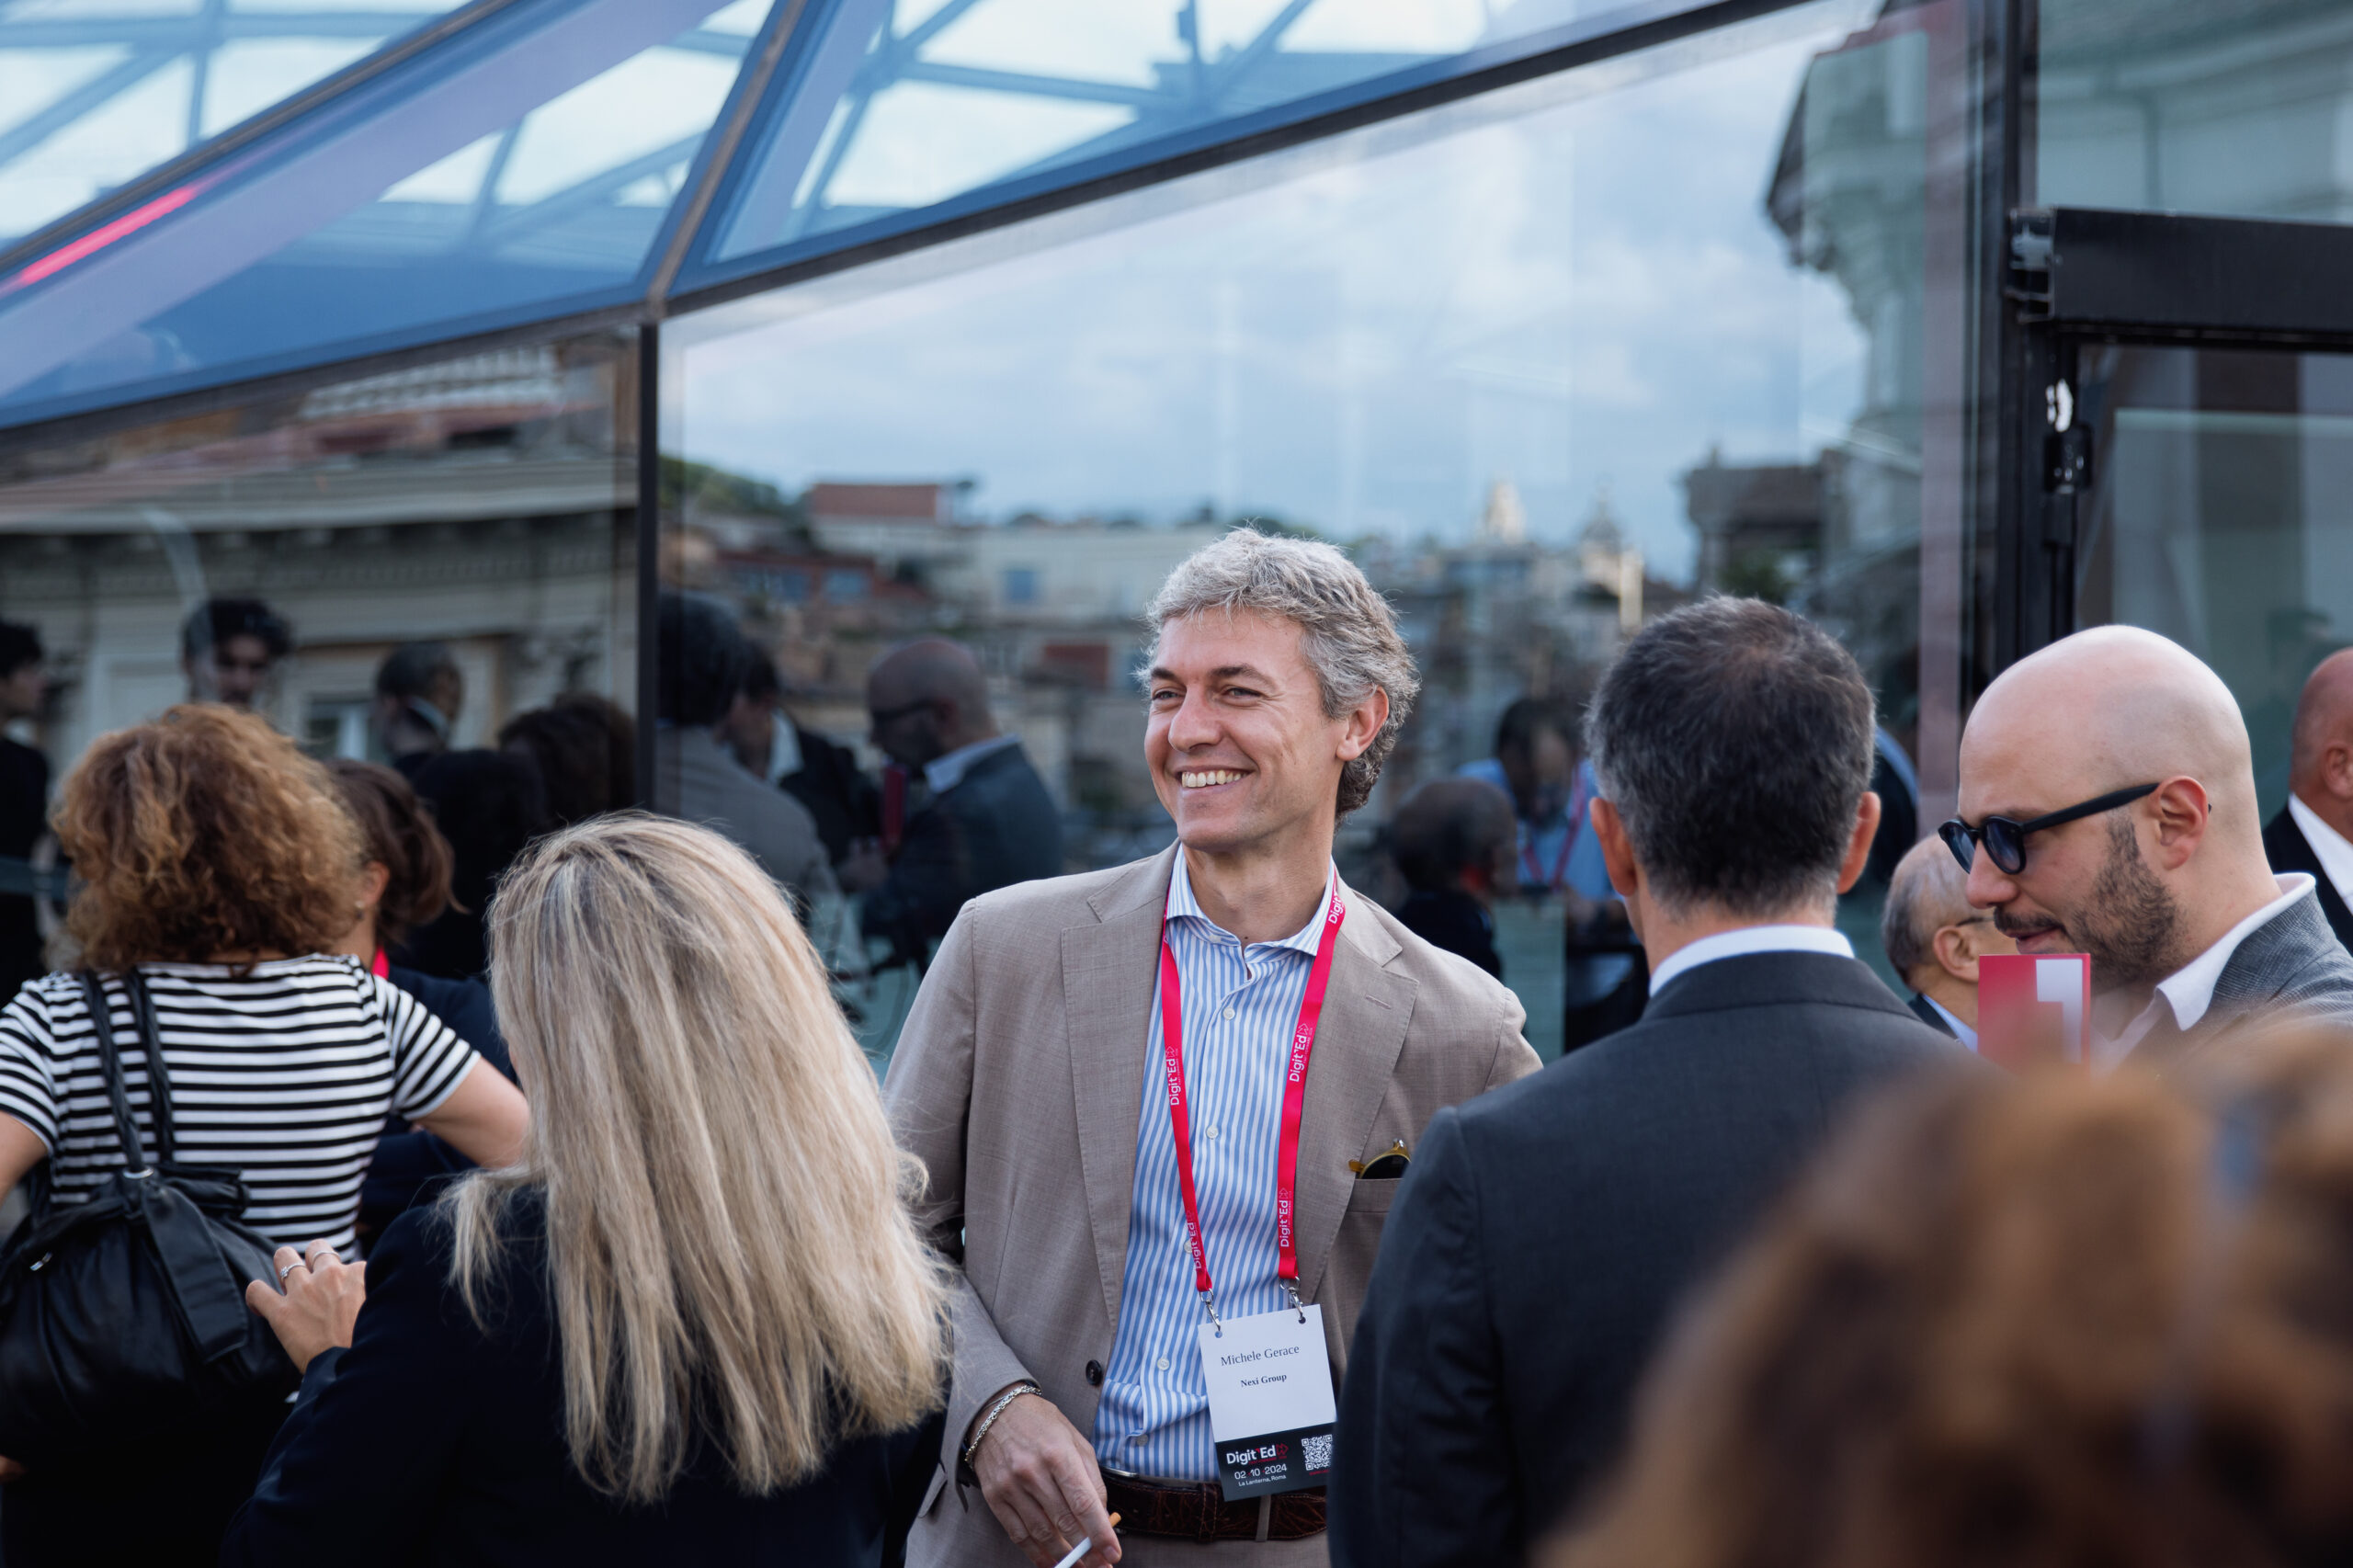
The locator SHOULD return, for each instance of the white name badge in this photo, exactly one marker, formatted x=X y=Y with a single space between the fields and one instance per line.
x=1271 y=1410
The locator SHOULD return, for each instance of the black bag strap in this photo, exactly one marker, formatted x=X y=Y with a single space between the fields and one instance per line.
x=126 y=1127
x=159 y=1073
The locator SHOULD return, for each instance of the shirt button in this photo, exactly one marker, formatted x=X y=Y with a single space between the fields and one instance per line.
x=1162 y=1363
x=1229 y=1012
x=1213 y=1130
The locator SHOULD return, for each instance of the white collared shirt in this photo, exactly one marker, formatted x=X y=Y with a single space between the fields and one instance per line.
x=2189 y=989
x=2329 y=848
x=1750 y=940
x=944 y=773
x=1961 y=1031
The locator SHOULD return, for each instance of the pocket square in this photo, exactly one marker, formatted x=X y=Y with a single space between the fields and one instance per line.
x=1387 y=1167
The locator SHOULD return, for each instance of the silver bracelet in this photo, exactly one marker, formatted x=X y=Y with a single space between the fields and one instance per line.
x=989 y=1420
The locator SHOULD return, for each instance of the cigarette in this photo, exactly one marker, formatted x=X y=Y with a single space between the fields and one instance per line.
x=1081 y=1548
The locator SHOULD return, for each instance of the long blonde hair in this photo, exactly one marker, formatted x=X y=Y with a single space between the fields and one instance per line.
x=729 y=1250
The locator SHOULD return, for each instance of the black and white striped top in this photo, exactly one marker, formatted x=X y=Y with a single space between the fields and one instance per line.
x=285 y=1075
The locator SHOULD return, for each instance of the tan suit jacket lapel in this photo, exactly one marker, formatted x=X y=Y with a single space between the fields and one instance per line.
x=1108 y=968
x=1366 y=1010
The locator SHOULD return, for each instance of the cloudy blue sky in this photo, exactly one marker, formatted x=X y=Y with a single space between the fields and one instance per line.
x=1572 y=285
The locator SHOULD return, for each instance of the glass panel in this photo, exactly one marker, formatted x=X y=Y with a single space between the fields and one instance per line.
x=2218 y=515
x=2232 y=107
x=1547 y=362
x=901 y=105
x=480 y=505
x=529 y=163
x=95 y=93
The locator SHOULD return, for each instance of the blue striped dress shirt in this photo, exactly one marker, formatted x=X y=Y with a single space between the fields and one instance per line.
x=1241 y=1002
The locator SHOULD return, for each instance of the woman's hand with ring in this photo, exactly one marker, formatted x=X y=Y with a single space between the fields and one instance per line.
x=322 y=1300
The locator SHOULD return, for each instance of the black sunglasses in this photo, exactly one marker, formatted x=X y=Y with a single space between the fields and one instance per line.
x=877 y=717
x=2005 y=840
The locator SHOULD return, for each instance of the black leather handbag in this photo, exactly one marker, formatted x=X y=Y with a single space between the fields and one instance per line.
x=123 y=1318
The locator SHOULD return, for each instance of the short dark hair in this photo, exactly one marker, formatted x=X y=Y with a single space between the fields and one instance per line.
x=214 y=621
x=19 y=646
x=1735 y=741
x=704 y=656
x=1530 y=717
x=1449 y=825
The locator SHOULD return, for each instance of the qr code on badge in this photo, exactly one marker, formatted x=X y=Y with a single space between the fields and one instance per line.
x=1316 y=1452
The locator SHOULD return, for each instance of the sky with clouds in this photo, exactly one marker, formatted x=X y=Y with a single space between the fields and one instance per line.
x=1571 y=284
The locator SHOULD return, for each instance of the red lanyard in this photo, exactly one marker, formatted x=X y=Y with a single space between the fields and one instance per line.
x=1303 y=1044
x=1575 y=815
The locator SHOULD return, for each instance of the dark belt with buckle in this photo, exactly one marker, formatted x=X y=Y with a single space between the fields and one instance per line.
x=1199 y=1511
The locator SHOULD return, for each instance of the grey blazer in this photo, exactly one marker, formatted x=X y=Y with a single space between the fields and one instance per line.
x=2290 y=967
x=1018 y=1082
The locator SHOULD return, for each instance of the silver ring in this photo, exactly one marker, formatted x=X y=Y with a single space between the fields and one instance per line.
x=289 y=1270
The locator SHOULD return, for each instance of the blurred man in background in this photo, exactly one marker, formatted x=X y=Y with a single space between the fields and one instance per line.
x=230 y=648
x=24 y=806
x=818 y=773
x=1455 y=842
x=704 y=658
x=419 y=693
x=2107 y=807
x=990 y=823
x=1934 y=939
x=1536 y=763
x=2314 y=833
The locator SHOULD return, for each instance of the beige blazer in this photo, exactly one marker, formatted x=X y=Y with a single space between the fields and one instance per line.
x=1019 y=1080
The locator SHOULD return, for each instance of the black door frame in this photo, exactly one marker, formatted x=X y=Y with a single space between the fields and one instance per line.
x=2087 y=275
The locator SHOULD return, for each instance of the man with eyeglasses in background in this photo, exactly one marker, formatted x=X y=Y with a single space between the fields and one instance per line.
x=1934 y=939
x=2107 y=807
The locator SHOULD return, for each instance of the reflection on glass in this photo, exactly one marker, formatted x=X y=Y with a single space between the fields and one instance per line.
x=908 y=103
x=534 y=163
x=95 y=93
x=1547 y=363
x=471 y=504
x=2218 y=518
x=431 y=569
x=2187 y=106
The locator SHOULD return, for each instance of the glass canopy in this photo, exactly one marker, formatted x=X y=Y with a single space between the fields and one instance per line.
x=901 y=106
x=522 y=169
x=96 y=93
x=536 y=159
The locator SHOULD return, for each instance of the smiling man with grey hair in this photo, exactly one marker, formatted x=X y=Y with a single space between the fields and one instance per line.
x=1221 y=973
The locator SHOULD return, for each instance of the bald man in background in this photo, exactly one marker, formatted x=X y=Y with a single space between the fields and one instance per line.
x=1934 y=939
x=2314 y=833
x=2158 y=870
x=989 y=822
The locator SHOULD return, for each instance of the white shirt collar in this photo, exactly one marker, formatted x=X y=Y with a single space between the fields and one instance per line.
x=2329 y=848
x=1961 y=1031
x=784 y=748
x=2189 y=989
x=944 y=773
x=1751 y=939
x=1182 y=905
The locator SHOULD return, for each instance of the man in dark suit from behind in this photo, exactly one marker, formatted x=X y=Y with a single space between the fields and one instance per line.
x=2313 y=832
x=1934 y=937
x=1546 y=1230
x=990 y=823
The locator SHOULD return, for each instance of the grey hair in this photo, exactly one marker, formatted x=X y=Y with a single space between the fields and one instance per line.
x=1928 y=891
x=1348 y=632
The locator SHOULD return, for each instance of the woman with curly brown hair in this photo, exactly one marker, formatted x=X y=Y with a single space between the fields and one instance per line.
x=221 y=868
x=2059 y=1323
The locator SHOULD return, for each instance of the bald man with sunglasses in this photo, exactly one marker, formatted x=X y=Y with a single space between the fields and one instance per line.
x=2107 y=807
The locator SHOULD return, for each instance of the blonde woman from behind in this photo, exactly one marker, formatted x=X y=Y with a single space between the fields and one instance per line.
x=693 y=1324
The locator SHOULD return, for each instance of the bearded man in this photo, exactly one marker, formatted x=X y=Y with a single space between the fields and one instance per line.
x=2107 y=807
